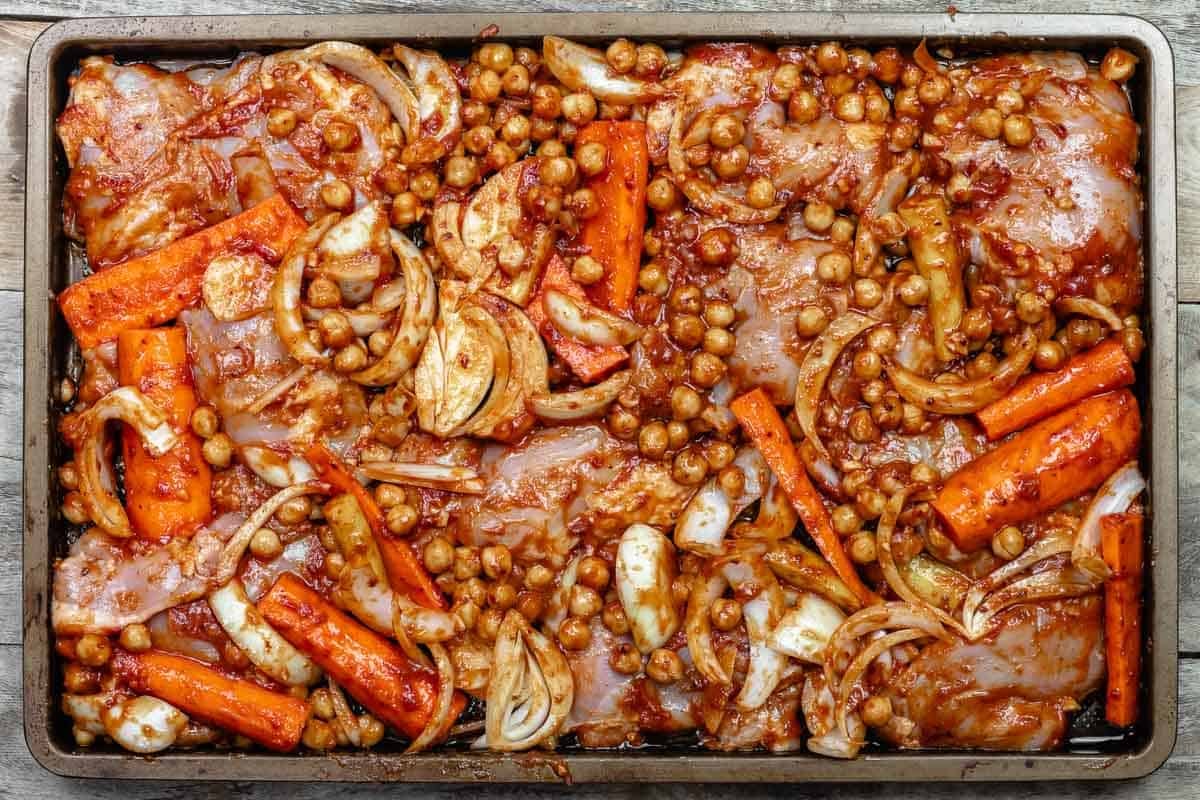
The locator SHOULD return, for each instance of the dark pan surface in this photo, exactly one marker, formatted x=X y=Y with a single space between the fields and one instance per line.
x=49 y=355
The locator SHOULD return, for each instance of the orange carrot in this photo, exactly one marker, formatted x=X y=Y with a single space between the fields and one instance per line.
x=1101 y=369
x=1043 y=466
x=372 y=670
x=1121 y=544
x=170 y=494
x=614 y=235
x=761 y=421
x=154 y=288
x=589 y=362
x=274 y=720
x=405 y=572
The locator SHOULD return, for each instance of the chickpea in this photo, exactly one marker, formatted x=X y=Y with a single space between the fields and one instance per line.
x=719 y=314
x=574 y=633
x=438 y=555
x=912 y=418
x=867 y=365
x=862 y=548
x=664 y=666
x=1133 y=341
x=1009 y=101
x=319 y=735
x=337 y=195
x=652 y=440
x=1118 y=65
x=622 y=56
x=834 y=267
x=1008 y=543
x=988 y=123
x=888 y=412
x=846 y=520
x=686 y=403
x=461 y=171
x=660 y=194
x=587 y=270
x=651 y=61
x=205 y=422
x=803 y=107
x=1032 y=307
x=761 y=192
x=719 y=342
x=726 y=131
x=265 y=544
x=686 y=329
x=515 y=130
x=689 y=467
x=872 y=391
x=502 y=595
x=281 y=122
x=467 y=562
x=388 y=495
x=218 y=450
x=485 y=86
x=678 y=434
x=731 y=480
x=867 y=293
x=335 y=329
x=850 y=107
x=923 y=473
x=135 y=638
x=983 y=364
x=401 y=519
x=79 y=679
x=294 y=511
x=613 y=617
x=1083 y=333
x=340 y=136
x=378 y=343
x=579 y=108
x=819 y=216
x=976 y=324
x=862 y=428
x=593 y=573
x=784 y=81
x=495 y=56
x=625 y=659
x=623 y=423
x=584 y=601
x=718 y=247
x=877 y=711
x=558 y=171
x=370 y=730
x=406 y=209
x=584 y=205
x=887 y=65
x=913 y=290
x=93 y=650
x=725 y=614
x=902 y=136
x=933 y=90
x=831 y=58
x=1018 y=130
x=907 y=102
x=855 y=479
x=592 y=158
x=811 y=321
x=530 y=604
x=350 y=358
x=546 y=101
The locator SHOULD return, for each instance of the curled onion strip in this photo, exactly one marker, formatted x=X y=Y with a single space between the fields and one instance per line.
x=1055 y=542
x=589 y=402
x=705 y=591
x=859 y=666
x=1121 y=489
x=345 y=717
x=1087 y=307
x=969 y=396
x=463 y=480
x=580 y=67
x=285 y=294
x=587 y=323
x=889 y=616
x=883 y=539
x=439 y=720
x=231 y=553
x=704 y=520
x=776 y=517
x=1051 y=584
x=814 y=370
x=282 y=387
x=401 y=635
x=438 y=103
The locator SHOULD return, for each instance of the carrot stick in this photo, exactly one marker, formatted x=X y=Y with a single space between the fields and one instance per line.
x=1121 y=544
x=170 y=494
x=1101 y=369
x=614 y=235
x=405 y=572
x=154 y=288
x=1043 y=466
x=393 y=688
x=274 y=720
x=761 y=421
x=589 y=362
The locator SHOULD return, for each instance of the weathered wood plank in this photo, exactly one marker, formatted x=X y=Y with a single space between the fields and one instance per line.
x=21 y=778
x=1189 y=478
x=10 y=468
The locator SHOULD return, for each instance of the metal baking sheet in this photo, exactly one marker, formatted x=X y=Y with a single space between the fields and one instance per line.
x=49 y=353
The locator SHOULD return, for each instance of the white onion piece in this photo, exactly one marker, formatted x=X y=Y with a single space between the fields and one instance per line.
x=580 y=67
x=1055 y=542
x=645 y=568
x=587 y=323
x=969 y=396
x=500 y=396
x=581 y=404
x=280 y=471
x=412 y=326
x=87 y=710
x=1087 y=307
x=805 y=630
x=531 y=688
x=1050 y=584
x=707 y=516
x=96 y=485
x=859 y=666
x=827 y=739
x=1115 y=496
x=345 y=717
x=144 y=724
x=814 y=370
x=776 y=517
x=439 y=720
x=286 y=290
x=766 y=666
x=463 y=480
x=261 y=643
x=705 y=590
x=438 y=102
x=888 y=616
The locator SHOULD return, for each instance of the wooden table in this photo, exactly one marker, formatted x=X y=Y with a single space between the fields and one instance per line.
x=21 y=777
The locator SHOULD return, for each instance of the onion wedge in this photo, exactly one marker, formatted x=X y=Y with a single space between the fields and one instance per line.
x=704 y=520
x=431 y=476
x=438 y=101
x=814 y=370
x=500 y=398
x=581 y=404
x=1121 y=489
x=806 y=628
x=587 y=323
x=414 y=324
x=969 y=396
x=580 y=67
x=697 y=625
x=261 y=643
x=530 y=690
x=285 y=294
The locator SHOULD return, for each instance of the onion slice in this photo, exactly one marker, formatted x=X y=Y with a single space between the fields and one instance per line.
x=807 y=571
x=587 y=323
x=1053 y=583
x=859 y=666
x=776 y=517
x=704 y=520
x=697 y=625
x=806 y=628
x=1055 y=542
x=345 y=717
x=888 y=616
x=462 y=480
x=1121 y=489
x=439 y=720
x=969 y=396
x=285 y=294
x=580 y=67
x=235 y=547
x=263 y=645
x=527 y=671
x=814 y=370
x=438 y=101
x=500 y=399
x=1087 y=307
x=589 y=402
